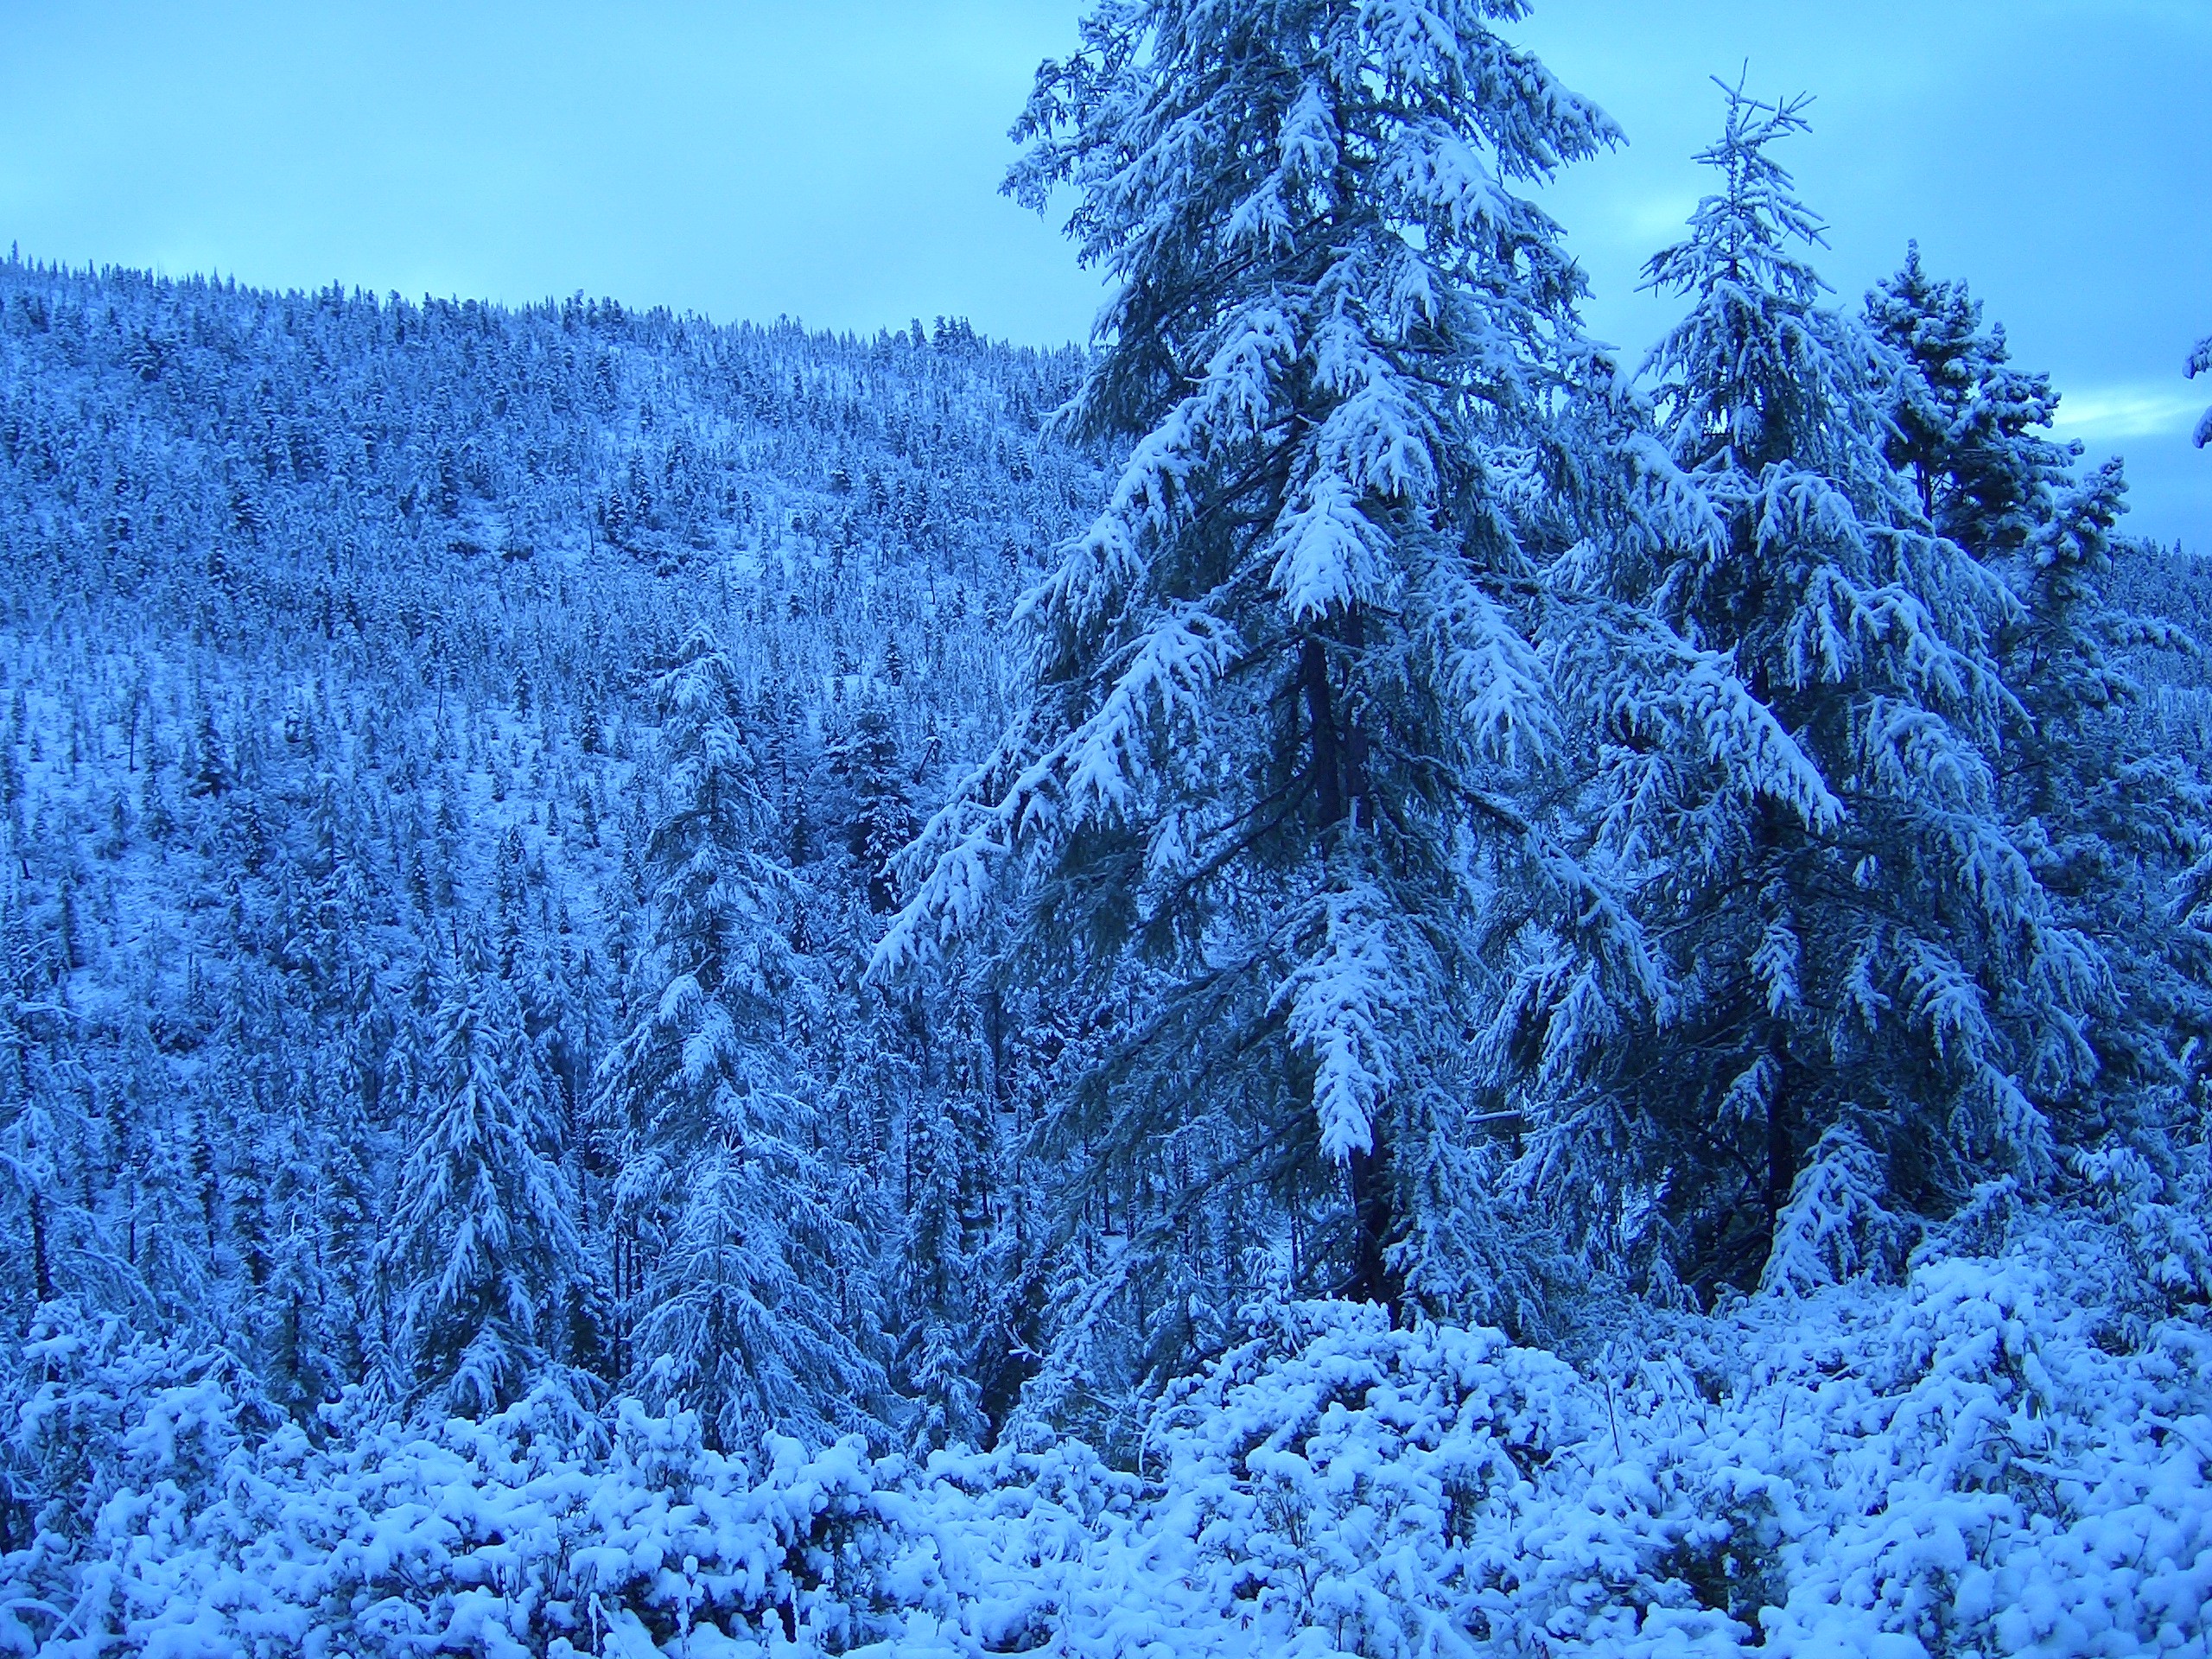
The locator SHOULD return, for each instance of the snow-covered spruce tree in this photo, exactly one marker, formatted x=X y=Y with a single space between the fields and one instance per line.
x=1842 y=967
x=483 y=1242
x=755 y=1305
x=1971 y=431
x=2200 y=362
x=1281 y=680
x=43 y=1126
x=939 y=1284
x=878 y=809
x=2110 y=819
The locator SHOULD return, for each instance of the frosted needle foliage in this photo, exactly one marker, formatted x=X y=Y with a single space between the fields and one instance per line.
x=1250 y=813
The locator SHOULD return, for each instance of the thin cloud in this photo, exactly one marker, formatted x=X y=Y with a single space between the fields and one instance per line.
x=2132 y=412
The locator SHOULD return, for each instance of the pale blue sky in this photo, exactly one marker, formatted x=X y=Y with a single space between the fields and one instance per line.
x=838 y=161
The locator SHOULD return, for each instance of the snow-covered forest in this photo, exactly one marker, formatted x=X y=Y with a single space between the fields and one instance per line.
x=1341 y=975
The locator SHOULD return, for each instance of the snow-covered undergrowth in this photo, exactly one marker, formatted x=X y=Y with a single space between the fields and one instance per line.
x=2006 y=1453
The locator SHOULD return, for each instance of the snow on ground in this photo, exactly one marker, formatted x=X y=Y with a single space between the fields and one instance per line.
x=2007 y=1454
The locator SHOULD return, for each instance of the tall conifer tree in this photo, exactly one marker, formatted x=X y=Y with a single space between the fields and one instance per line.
x=2110 y=819
x=755 y=1305
x=1284 y=680
x=484 y=1240
x=1841 y=971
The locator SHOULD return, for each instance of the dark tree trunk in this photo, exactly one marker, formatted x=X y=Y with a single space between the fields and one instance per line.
x=1320 y=713
x=995 y=1047
x=1373 y=1220
x=1354 y=735
x=42 y=1277
x=1781 y=1144
x=1339 y=768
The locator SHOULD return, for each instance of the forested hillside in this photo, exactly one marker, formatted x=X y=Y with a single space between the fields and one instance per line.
x=1338 y=976
x=337 y=639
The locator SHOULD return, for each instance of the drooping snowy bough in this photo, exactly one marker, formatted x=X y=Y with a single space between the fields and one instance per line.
x=1290 y=682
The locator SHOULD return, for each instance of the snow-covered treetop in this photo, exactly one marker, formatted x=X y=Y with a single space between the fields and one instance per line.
x=1208 y=142
x=1758 y=370
x=1750 y=224
x=1335 y=316
x=1780 y=408
x=1300 y=201
x=1971 y=430
x=2200 y=362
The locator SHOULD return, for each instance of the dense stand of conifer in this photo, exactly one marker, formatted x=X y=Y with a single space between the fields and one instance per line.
x=582 y=871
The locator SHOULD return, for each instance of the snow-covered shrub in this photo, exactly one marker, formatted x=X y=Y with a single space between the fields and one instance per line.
x=1993 y=1458
x=115 y=1440
x=1398 y=1492
x=2006 y=1453
x=2162 y=1222
x=1835 y=1226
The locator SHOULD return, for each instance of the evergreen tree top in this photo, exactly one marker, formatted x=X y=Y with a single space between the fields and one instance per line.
x=1743 y=234
x=1758 y=372
x=1968 y=425
x=1245 y=169
x=2200 y=362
